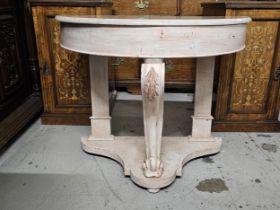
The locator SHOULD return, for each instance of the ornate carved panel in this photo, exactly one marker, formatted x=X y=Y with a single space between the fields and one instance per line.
x=9 y=71
x=252 y=71
x=247 y=93
x=18 y=105
x=71 y=74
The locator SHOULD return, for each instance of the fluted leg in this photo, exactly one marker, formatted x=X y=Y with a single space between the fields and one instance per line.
x=152 y=86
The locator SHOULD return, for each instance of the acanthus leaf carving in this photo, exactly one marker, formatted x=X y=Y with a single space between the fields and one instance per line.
x=8 y=70
x=151 y=84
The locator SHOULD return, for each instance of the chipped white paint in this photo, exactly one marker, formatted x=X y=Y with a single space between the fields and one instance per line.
x=152 y=162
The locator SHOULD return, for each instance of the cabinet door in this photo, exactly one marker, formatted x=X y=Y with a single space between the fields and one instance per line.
x=14 y=75
x=64 y=74
x=18 y=103
x=248 y=90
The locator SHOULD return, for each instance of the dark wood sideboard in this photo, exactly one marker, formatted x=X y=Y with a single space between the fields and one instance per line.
x=20 y=100
x=248 y=84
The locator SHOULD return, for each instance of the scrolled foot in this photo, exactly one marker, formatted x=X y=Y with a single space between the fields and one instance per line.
x=153 y=167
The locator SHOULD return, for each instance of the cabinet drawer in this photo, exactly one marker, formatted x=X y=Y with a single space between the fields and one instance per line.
x=155 y=7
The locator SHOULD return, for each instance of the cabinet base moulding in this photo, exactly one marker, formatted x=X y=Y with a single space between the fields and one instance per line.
x=266 y=126
x=129 y=151
x=65 y=119
x=11 y=126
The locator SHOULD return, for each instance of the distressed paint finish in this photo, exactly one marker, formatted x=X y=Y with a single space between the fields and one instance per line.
x=152 y=161
x=100 y=120
x=202 y=119
x=155 y=41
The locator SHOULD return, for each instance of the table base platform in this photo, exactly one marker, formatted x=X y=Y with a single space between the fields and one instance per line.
x=129 y=151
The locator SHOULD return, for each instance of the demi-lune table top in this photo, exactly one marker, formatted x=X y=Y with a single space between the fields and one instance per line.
x=153 y=20
x=153 y=36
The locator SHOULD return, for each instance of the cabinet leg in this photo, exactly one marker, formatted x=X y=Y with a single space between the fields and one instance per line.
x=202 y=119
x=152 y=87
x=100 y=119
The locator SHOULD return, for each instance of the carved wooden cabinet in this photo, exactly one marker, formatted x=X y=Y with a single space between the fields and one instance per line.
x=20 y=101
x=248 y=89
x=64 y=74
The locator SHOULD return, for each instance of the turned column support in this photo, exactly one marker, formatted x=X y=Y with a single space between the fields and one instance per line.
x=152 y=87
x=202 y=118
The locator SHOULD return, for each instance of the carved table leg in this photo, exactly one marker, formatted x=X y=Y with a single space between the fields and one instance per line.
x=100 y=119
x=152 y=86
x=202 y=119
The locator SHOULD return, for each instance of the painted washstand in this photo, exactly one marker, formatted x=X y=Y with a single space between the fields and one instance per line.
x=152 y=161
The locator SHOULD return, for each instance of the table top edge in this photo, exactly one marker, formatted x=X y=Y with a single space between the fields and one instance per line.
x=153 y=20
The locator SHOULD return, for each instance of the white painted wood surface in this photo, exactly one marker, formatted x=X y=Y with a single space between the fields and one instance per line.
x=129 y=151
x=153 y=41
x=100 y=120
x=152 y=162
x=152 y=20
x=202 y=118
x=157 y=36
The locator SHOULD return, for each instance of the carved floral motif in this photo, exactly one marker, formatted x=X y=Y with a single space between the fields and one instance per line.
x=151 y=84
x=71 y=72
x=253 y=68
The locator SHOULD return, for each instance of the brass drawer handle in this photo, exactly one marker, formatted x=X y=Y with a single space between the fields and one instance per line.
x=141 y=4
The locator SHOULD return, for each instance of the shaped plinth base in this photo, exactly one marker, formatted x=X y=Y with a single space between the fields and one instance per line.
x=129 y=151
